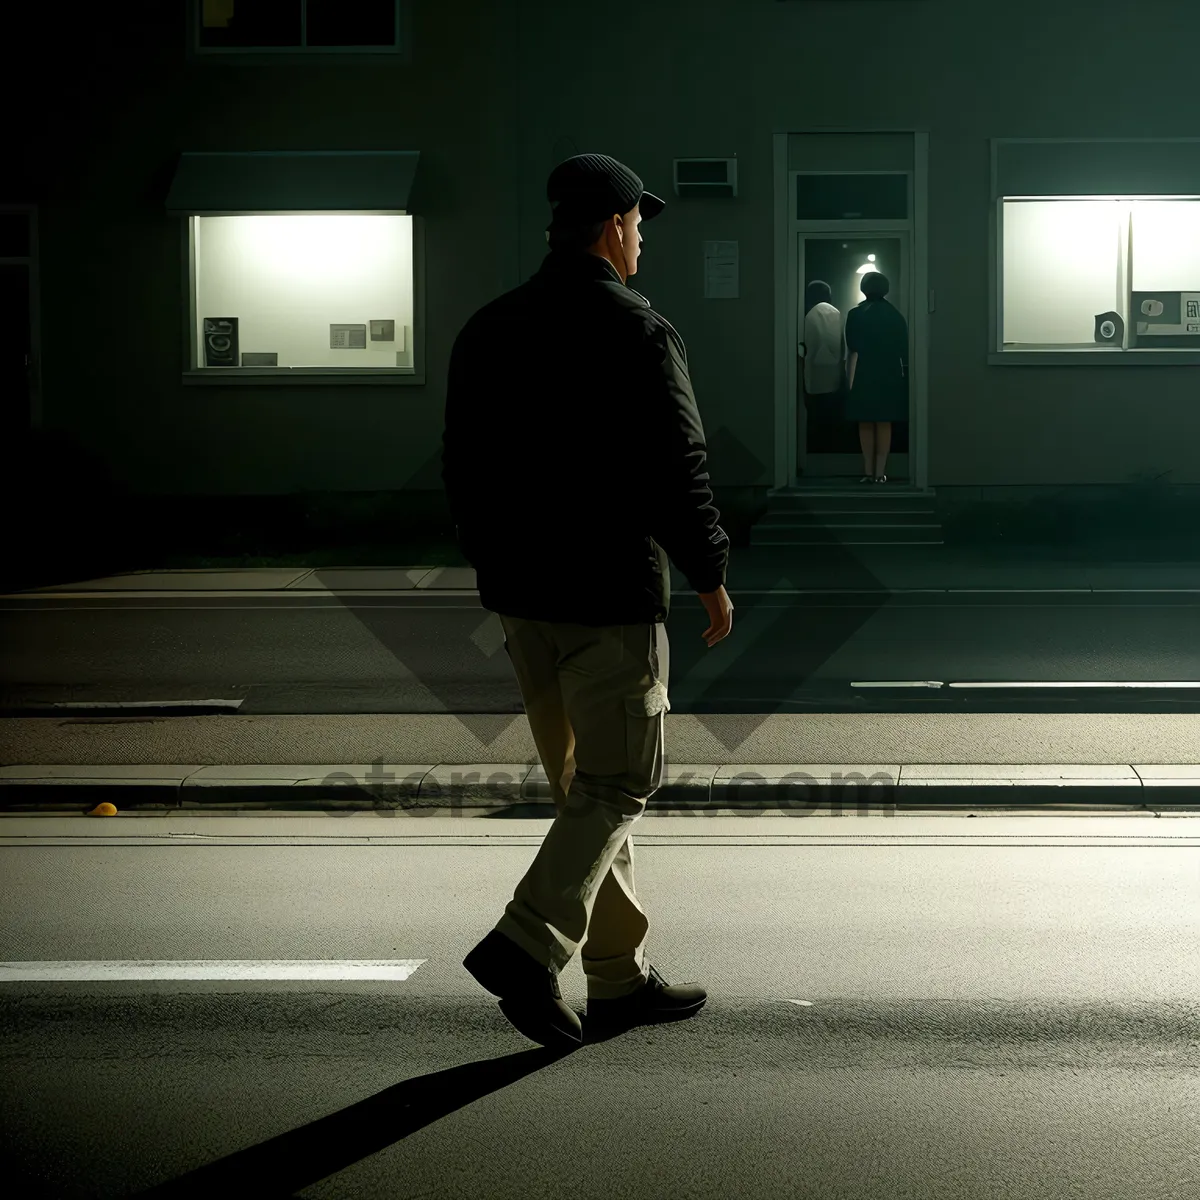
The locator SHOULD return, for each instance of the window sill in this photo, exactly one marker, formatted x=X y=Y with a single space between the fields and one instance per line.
x=1114 y=357
x=303 y=375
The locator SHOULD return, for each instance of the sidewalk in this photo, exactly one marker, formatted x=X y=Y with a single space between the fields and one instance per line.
x=482 y=764
x=486 y=764
x=833 y=568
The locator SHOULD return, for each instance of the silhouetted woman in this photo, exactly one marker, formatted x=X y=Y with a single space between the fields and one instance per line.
x=877 y=344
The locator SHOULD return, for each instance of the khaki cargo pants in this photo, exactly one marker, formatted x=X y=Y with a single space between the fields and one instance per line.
x=595 y=699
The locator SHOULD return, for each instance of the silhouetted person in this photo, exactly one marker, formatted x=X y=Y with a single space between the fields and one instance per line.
x=570 y=485
x=823 y=358
x=877 y=344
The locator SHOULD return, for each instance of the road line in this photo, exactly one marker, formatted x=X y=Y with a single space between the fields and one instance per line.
x=896 y=683
x=219 y=969
x=65 y=704
x=1161 y=685
x=1168 y=685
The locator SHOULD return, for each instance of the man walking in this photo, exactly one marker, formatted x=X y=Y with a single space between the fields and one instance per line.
x=574 y=461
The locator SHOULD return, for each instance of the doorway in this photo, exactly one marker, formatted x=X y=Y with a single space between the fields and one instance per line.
x=827 y=442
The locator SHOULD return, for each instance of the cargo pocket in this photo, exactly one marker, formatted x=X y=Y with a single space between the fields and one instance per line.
x=653 y=703
x=644 y=725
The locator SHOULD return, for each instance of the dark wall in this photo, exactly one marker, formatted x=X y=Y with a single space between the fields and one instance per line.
x=494 y=96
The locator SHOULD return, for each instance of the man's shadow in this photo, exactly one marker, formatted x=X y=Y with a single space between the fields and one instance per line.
x=286 y=1164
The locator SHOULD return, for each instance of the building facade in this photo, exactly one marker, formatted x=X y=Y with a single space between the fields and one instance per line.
x=244 y=264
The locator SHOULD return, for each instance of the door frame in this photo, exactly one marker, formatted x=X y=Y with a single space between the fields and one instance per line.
x=901 y=235
x=788 y=301
x=35 y=326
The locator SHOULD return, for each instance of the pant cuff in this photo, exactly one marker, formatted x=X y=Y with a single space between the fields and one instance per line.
x=603 y=989
x=515 y=933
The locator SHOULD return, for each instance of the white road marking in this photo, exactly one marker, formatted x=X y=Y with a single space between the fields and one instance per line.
x=1019 y=683
x=889 y=683
x=120 y=969
x=146 y=703
x=1118 y=683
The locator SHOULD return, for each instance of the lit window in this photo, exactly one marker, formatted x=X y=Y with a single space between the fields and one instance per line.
x=1109 y=273
x=303 y=292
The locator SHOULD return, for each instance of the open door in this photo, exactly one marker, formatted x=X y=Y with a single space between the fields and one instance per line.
x=827 y=444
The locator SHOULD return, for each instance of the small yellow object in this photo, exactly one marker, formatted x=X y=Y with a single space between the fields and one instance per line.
x=104 y=810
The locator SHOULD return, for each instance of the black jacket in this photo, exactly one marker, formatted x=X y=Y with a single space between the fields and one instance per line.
x=573 y=454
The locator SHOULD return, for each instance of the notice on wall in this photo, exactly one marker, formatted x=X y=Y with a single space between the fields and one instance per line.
x=720 y=270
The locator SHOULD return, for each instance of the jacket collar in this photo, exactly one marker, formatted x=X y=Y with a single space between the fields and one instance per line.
x=579 y=264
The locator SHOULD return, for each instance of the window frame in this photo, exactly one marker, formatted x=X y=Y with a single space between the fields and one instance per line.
x=284 y=55
x=1140 y=355
x=194 y=374
x=997 y=355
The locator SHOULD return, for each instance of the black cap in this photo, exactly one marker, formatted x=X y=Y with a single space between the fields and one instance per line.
x=591 y=187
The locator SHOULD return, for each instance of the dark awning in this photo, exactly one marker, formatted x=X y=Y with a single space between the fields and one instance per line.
x=292 y=181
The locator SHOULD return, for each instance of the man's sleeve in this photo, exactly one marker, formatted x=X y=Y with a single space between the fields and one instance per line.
x=681 y=516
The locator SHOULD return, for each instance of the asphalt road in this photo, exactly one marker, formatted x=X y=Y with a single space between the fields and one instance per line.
x=279 y=654
x=936 y=1008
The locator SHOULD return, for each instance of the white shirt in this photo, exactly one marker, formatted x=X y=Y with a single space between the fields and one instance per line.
x=822 y=349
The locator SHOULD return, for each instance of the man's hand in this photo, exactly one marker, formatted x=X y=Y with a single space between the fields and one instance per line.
x=720 y=613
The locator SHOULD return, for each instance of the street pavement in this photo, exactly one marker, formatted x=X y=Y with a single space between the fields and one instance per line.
x=418 y=642
x=934 y=1007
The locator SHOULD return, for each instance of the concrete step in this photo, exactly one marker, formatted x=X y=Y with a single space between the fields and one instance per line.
x=861 y=515
x=847 y=520
x=843 y=508
x=846 y=535
x=877 y=500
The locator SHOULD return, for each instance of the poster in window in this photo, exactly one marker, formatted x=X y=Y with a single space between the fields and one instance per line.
x=220 y=341
x=1166 y=319
x=1191 y=312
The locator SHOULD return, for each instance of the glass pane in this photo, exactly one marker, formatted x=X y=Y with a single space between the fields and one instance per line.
x=351 y=22
x=1166 y=245
x=1165 y=308
x=851 y=197
x=1061 y=270
x=284 y=291
x=249 y=23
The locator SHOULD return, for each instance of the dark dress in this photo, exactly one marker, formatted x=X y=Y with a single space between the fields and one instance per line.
x=880 y=336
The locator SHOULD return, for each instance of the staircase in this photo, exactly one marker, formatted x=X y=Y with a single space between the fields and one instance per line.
x=842 y=513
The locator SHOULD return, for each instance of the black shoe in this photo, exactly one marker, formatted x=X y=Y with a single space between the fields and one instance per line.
x=881 y=479
x=867 y=479
x=529 y=993
x=656 y=1000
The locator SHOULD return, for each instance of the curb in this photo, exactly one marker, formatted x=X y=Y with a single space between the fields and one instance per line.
x=521 y=790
